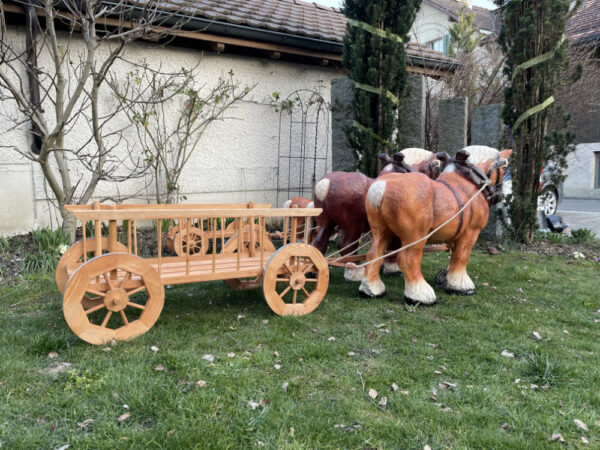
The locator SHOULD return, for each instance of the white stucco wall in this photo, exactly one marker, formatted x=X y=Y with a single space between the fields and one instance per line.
x=430 y=25
x=581 y=173
x=237 y=159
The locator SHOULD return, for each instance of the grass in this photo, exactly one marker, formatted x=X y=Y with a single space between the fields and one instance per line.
x=462 y=337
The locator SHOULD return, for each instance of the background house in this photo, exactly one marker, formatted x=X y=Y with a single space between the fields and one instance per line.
x=282 y=46
x=435 y=17
x=583 y=102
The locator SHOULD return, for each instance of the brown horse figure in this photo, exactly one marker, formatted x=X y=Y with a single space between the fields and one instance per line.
x=410 y=206
x=300 y=202
x=342 y=197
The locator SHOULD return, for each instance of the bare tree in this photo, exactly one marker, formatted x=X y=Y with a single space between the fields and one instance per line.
x=80 y=41
x=171 y=111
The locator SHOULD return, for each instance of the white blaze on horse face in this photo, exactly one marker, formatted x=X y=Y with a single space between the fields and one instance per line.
x=354 y=274
x=375 y=194
x=419 y=292
x=287 y=204
x=373 y=288
x=311 y=205
x=459 y=281
x=321 y=189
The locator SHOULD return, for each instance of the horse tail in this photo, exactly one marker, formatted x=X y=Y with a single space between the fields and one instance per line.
x=321 y=189
x=375 y=193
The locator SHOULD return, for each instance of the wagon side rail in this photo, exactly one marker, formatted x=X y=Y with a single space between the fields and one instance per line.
x=249 y=227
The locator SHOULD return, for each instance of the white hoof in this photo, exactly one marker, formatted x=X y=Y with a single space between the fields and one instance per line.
x=391 y=268
x=459 y=281
x=373 y=289
x=351 y=275
x=419 y=292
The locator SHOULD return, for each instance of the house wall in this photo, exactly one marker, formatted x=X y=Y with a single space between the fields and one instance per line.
x=237 y=158
x=430 y=24
x=581 y=173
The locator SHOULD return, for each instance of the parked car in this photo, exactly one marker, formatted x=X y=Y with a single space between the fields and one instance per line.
x=550 y=194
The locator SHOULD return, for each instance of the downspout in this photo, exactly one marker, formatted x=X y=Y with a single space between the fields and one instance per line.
x=32 y=28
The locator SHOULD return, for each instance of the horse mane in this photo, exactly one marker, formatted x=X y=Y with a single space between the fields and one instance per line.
x=478 y=154
x=416 y=155
x=481 y=153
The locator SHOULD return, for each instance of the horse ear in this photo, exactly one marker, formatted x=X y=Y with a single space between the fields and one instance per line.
x=398 y=157
x=462 y=156
x=505 y=154
x=385 y=158
x=442 y=156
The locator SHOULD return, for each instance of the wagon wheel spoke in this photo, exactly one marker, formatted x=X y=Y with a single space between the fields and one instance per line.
x=106 y=318
x=95 y=308
x=124 y=317
x=285 y=291
x=136 y=290
x=126 y=278
x=135 y=305
x=305 y=292
x=108 y=280
x=287 y=267
x=97 y=293
x=295 y=296
x=308 y=266
x=283 y=280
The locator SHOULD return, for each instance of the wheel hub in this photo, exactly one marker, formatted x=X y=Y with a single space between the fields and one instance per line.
x=116 y=300
x=297 y=281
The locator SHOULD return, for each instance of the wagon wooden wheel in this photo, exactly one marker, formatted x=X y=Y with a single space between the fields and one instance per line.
x=295 y=279
x=132 y=294
x=74 y=255
x=231 y=246
x=198 y=242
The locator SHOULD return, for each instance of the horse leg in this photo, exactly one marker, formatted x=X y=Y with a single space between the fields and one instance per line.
x=390 y=264
x=416 y=289
x=455 y=279
x=371 y=284
x=326 y=227
x=350 y=236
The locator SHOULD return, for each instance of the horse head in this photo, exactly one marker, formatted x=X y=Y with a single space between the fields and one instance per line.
x=482 y=166
x=412 y=160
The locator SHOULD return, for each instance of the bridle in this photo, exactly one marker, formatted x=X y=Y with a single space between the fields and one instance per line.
x=492 y=193
x=472 y=173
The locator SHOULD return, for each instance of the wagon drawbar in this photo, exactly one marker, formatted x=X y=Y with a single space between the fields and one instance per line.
x=110 y=292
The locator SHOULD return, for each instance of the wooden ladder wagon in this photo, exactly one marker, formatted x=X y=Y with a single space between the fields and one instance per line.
x=109 y=292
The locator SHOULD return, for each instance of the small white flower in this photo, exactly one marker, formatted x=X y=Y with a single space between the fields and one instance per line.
x=578 y=255
x=62 y=249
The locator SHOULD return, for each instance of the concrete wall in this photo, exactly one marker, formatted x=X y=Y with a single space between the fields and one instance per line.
x=237 y=159
x=581 y=173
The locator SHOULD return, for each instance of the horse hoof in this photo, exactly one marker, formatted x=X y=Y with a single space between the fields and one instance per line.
x=411 y=302
x=457 y=292
x=365 y=295
x=440 y=278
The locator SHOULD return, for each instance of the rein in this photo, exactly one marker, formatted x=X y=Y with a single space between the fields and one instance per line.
x=424 y=238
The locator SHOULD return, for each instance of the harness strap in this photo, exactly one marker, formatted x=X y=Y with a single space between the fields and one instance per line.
x=460 y=207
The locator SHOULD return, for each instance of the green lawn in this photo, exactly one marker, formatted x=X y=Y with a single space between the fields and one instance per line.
x=325 y=404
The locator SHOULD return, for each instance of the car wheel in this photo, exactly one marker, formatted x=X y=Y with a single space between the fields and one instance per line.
x=549 y=201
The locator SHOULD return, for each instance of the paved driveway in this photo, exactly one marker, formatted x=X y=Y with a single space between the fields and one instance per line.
x=581 y=214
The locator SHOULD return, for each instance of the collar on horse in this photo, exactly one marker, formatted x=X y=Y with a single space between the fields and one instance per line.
x=475 y=175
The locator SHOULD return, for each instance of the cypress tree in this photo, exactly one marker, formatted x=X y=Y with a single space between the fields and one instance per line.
x=531 y=28
x=379 y=62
